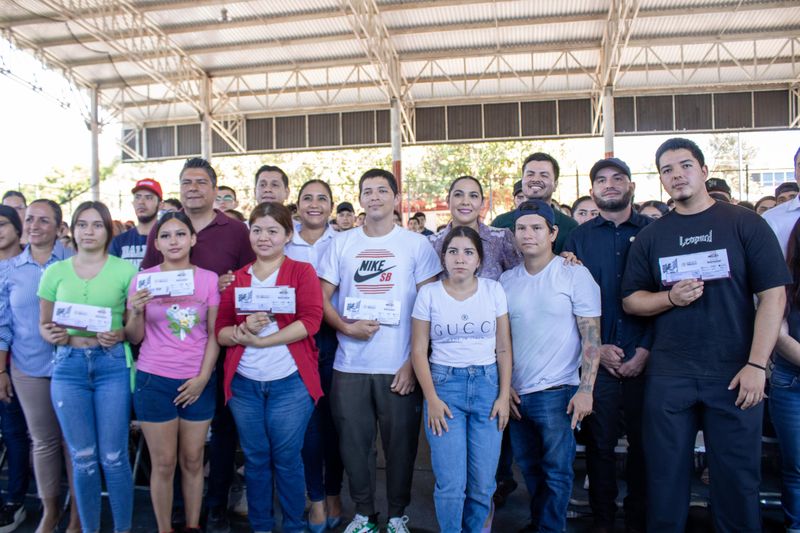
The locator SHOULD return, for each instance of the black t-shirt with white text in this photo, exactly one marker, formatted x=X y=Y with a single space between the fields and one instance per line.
x=711 y=337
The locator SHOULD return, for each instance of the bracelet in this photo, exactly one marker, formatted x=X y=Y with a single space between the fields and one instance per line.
x=669 y=297
x=757 y=366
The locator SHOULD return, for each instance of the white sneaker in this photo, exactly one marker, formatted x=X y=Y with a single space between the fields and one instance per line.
x=397 y=525
x=361 y=524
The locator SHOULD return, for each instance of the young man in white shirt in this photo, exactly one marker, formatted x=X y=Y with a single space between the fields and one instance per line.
x=554 y=309
x=373 y=380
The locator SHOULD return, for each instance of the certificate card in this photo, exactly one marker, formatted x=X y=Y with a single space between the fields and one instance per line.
x=701 y=265
x=269 y=299
x=387 y=312
x=80 y=316
x=169 y=283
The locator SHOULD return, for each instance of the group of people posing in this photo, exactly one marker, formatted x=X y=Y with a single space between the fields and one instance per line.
x=301 y=343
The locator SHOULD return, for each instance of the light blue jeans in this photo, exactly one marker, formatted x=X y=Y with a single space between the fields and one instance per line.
x=272 y=417
x=91 y=396
x=465 y=458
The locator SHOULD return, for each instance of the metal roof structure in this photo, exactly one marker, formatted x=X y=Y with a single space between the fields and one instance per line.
x=239 y=76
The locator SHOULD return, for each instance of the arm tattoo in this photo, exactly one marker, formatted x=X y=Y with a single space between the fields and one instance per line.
x=589 y=328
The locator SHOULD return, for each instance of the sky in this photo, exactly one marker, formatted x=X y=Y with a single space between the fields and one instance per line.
x=39 y=135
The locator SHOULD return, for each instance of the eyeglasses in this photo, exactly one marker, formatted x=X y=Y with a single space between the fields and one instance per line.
x=226 y=198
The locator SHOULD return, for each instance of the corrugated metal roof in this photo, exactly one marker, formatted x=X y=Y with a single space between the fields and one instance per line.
x=315 y=50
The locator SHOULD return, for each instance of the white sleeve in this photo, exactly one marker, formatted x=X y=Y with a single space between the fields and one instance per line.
x=422 y=305
x=427 y=264
x=329 y=263
x=500 y=300
x=585 y=293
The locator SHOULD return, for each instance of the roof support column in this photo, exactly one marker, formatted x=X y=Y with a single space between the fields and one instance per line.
x=397 y=144
x=205 y=118
x=94 y=128
x=608 y=120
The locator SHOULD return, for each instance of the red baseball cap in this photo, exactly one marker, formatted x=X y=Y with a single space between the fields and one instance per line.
x=150 y=185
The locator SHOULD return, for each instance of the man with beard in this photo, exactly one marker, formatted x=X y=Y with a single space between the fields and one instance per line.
x=539 y=181
x=132 y=244
x=602 y=246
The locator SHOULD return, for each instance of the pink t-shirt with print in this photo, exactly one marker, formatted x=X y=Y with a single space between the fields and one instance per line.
x=175 y=328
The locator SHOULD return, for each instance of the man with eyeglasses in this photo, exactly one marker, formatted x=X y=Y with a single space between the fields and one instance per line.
x=226 y=199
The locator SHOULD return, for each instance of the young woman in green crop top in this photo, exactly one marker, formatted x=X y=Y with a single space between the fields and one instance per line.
x=90 y=387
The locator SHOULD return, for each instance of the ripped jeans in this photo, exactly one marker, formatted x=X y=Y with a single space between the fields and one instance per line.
x=91 y=395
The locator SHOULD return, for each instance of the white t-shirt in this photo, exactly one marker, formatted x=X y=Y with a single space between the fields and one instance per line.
x=266 y=364
x=387 y=267
x=542 y=310
x=463 y=333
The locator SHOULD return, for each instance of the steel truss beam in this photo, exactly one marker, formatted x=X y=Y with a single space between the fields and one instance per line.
x=370 y=31
x=616 y=36
x=150 y=49
x=496 y=68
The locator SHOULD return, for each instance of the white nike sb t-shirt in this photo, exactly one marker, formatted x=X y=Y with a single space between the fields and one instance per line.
x=388 y=268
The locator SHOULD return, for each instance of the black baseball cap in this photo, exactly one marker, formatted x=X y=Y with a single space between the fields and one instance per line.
x=609 y=162
x=345 y=206
x=535 y=207
x=789 y=186
x=517 y=187
x=718 y=184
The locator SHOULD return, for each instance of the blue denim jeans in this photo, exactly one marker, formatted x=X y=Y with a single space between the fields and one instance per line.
x=272 y=417
x=91 y=396
x=464 y=459
x=544 y=449
x=18 y=447
x=784 y=407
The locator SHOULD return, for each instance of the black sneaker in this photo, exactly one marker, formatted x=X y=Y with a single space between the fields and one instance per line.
x=217 y=521
x=12 y=515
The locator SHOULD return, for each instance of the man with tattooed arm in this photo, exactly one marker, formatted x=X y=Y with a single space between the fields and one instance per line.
x=554 y=310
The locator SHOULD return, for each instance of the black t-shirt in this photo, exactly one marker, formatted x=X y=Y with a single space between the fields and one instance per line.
x=711 y=337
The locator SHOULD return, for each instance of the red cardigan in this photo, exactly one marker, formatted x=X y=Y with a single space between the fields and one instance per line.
x=308 y=310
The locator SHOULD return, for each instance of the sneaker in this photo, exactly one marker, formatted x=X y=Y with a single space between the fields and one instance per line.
x=361 y=524
x=218 y=520
x=397 y=525
x=12 y=515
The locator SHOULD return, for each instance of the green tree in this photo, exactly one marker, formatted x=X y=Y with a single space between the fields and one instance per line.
x=723 y=158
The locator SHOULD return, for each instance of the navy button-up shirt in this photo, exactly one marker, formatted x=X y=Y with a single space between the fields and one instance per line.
x=603 y=248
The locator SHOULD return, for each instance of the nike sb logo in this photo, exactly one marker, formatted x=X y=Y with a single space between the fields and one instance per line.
x=370 y=269
x=373 y=275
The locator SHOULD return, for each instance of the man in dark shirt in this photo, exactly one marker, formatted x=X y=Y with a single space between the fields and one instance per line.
x=132 y=244
x=539 y=181
x=223 y=246
x=602 y=245
x=696 y=270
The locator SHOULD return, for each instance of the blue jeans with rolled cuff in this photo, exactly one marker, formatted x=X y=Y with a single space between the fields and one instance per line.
x=465 y=457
